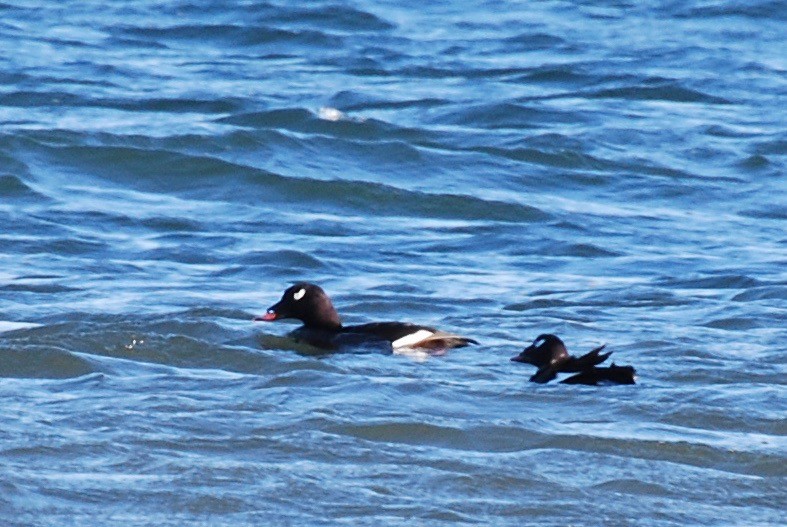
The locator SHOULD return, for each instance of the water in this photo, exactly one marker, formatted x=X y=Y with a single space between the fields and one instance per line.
x=611 y=173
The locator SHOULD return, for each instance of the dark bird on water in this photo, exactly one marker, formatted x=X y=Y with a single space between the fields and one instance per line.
x=548 y=353
x=322 y=326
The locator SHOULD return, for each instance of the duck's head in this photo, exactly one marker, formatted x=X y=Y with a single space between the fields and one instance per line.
x=305 y=302
x=545 y=349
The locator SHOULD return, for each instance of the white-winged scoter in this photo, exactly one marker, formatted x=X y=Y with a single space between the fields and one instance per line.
x=549 y=354
x=322 y=326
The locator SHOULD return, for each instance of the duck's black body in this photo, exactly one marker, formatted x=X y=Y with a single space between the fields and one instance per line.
x=612 y=374
x=322 y=326
x=550 y=356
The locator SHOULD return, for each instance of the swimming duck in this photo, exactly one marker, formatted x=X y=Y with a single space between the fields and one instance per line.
x=322 y=326
x=549 y=354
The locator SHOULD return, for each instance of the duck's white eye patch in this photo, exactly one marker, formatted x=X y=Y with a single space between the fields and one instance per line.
x=299 y=294
x=539 y=341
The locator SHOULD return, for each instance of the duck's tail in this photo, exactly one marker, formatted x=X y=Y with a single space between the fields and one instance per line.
x=590 y=359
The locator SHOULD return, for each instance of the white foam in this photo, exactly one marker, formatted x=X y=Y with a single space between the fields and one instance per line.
x=412 y=338
x=416 y=355
x=330 y=114
x=11 y=326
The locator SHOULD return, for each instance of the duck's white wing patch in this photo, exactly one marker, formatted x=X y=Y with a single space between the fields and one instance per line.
x=412 y=338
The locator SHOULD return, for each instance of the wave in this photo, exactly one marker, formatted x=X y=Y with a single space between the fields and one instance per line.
x=349 y=100
x=723 y=281
x=332 y=16
x=81 y=343
x=768 y=10
x=507 y=115
x=41 y=362
x=235 y=34
x=339 y=125
x=13 y=187
x=533 y=42
x=35 y=98
x=668 y=92
x=206 y=177
x=284 y=257
x=733 y=323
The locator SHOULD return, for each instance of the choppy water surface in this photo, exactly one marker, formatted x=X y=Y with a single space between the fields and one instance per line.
x=611 y=172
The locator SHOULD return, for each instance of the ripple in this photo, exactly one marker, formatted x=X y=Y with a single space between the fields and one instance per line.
x=334 y=16
x=498 y=439
x=587 y=250
x=776 y=146
x=184 y=171
x=285 y=257
x=30 y=98
x=6 y=325
x=755 y=162
x=767 y=10
x=38 y=288
x=175 y=105
x=672 y=93
x=507 y=115
x=285 y=117
x=727 y=281
x=383 y=199
x=172 y=224
x=558 y=76
x=558 y=158
x=633 y=486
x=42 y=363
x=72 y=247
x=533 y=41
x=538 y=303
x=305 y=121
x=348 y=100
x=14 y=188
x=767 y=211
x=733 y=323
x=232 y=34
x=762 y=293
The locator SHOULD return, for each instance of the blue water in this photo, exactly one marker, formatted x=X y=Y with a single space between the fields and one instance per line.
x=612 y=172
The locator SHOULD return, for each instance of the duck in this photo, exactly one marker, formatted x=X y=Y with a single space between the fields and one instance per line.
x=549 y=354
x=322 y=326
